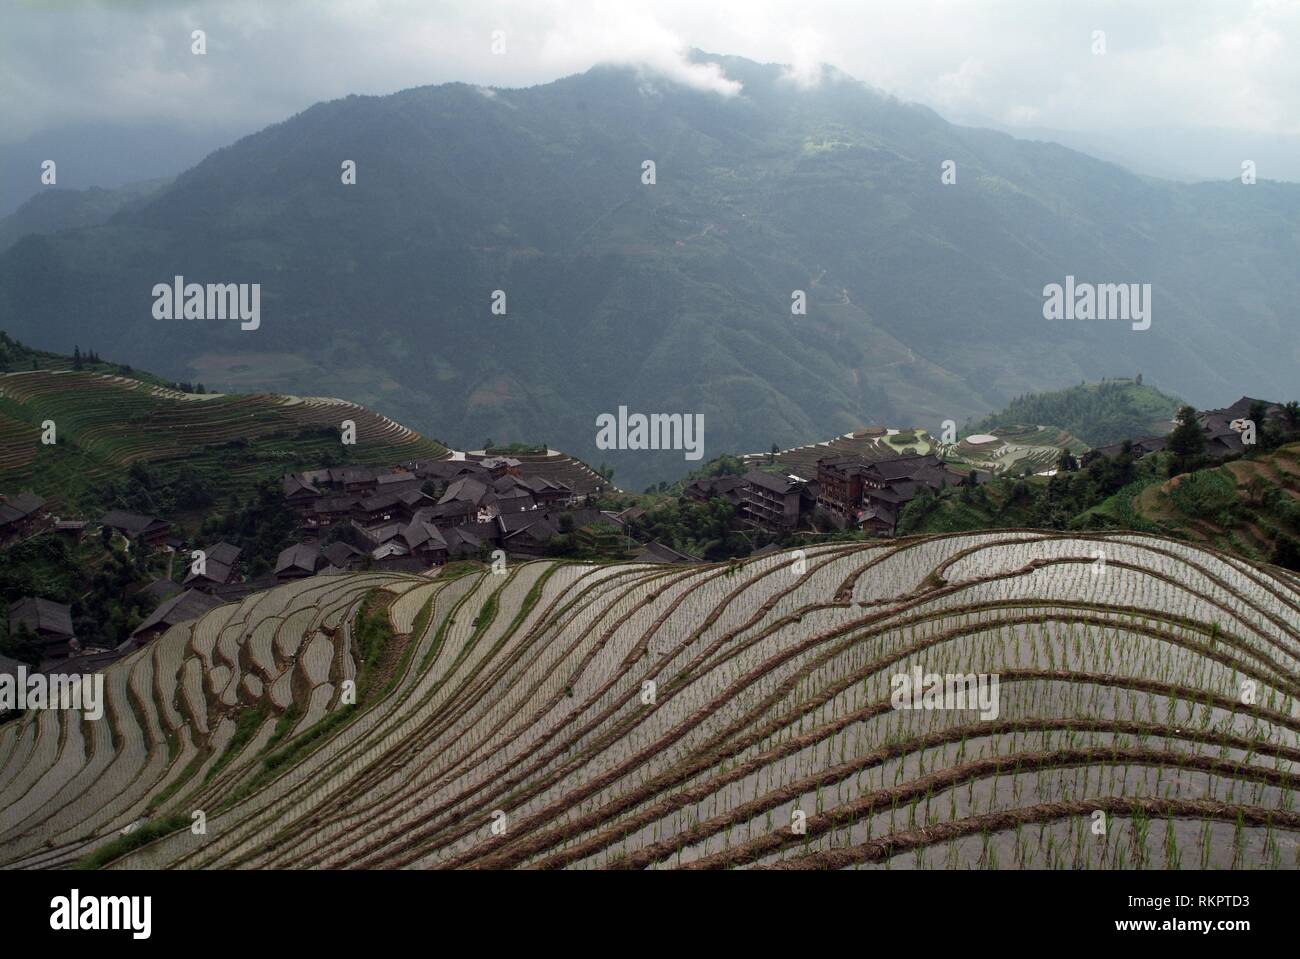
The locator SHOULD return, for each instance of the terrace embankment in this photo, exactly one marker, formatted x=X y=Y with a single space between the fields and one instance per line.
x=567 y=715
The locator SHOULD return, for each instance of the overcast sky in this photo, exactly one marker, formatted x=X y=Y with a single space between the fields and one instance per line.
x=1189 y=63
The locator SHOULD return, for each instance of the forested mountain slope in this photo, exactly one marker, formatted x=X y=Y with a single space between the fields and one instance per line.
x=925 y=300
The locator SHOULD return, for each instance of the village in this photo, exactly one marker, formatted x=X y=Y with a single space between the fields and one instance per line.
x=420 y=515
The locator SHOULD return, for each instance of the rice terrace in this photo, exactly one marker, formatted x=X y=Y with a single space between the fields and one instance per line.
x=630 y=715
x=852 y=447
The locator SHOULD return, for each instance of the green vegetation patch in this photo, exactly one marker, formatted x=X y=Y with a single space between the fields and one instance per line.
x=141 y=836
x=247 y=724
x=1097 y=413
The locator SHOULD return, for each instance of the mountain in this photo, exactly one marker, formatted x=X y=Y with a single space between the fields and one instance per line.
x=634 y=716
x=101 y=155
x=925 y=301
x=1172 y=153
x=63 y=209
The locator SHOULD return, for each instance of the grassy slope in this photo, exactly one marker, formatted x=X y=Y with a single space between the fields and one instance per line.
x=1221 y=506
x=105 y=422
x=1097 y=413
x=1217 y=506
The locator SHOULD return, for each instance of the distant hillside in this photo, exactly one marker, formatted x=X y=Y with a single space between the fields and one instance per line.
x=61 y=209
x=129 y=439
x=924 y=300
x=1097 y=413
x=133 y=443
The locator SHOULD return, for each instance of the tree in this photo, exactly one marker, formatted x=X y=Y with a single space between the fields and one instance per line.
x=24 y=646
x=1066 y=463
x=76 y=357
x=1256 y=489
x=1286 y=552
x=771 y=458
x=1265 y=437
x=1186 y=442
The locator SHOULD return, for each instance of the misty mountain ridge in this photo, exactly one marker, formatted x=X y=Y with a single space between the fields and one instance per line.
x=924 y=300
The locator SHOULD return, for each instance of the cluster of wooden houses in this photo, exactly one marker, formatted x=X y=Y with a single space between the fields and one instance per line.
x=1223 y=430
x=424 y=513
x=849 y=492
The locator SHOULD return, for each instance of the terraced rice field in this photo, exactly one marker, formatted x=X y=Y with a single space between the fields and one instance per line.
x=580 y=716
x=105 y=423
x=802 y=460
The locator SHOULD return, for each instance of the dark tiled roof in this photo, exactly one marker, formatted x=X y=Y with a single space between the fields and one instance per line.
x=379 y=501
x=449 y=469
x=219 y=563
x=384 y=532
x=298 y=556
x=517 y=503
x=540 y=531
x=419 y=534
x=223 y=552
x=41 y=614
x=339 y=553
x=771 y=481
x=469 y=490
x=904 y=466
x=656 y=552
x=159 y=590
x=880 y=511
x=451 y=510
x=844 y=461
x=295 y=485
x=133 y=524
x=190 y=604
x=719 y=484
x=459 y=538
x=515 y=521
x=19 y=506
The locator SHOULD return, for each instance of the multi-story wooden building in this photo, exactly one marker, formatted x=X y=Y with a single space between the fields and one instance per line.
x=772 y=500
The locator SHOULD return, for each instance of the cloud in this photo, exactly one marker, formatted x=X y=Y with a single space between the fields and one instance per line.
x=807 y=66
x=1198 y=63
x=612 y=35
